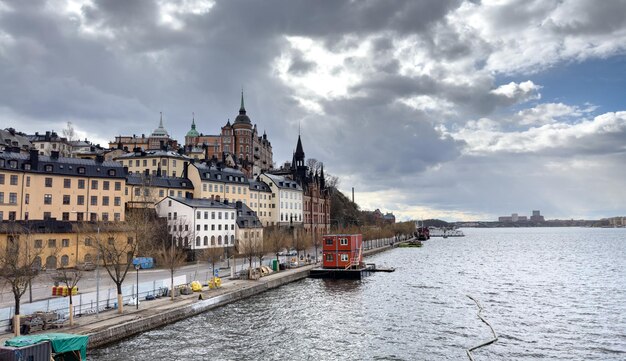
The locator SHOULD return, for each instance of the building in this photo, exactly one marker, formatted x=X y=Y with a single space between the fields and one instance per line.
x=159 y=139
x=154 y=162
x=316 y=201
x=36 y=187
x=537 y=217
x=19 y=142
x=249 y=227
x=56 y=244
x=260 y=201
x=513 y=218
x=51 y=142
x=144 y=191
x=340 y=251
x=251 y=152
x=196 y=224
x=287 y=200
x=389 y=218
x=216 y=181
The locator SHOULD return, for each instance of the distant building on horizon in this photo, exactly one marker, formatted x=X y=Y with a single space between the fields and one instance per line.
x=537 y=217
x=514 y=217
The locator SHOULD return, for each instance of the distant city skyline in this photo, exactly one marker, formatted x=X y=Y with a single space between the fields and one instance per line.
x=430 y=109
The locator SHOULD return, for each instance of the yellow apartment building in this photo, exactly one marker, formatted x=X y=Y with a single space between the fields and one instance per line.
x=248 y=228
x=145 y=191
x=164 y=163
x=213 y=181
x=36 y=187
x=261 y=201
x=54 y=244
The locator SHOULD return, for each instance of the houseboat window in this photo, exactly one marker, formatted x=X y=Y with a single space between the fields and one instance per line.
x=344 y=257
x=329 y=242
x=329 y=257
x=344 y=241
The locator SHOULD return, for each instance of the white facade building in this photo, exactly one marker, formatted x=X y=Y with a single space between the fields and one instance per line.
x=199 y=223
x=287 y=200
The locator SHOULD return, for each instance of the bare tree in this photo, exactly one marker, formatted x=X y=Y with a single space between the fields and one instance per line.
x=117 y=250
x=172 y=258
x=212 y=255
x=275 y=240
x=19 y=264
x=300 y=241
x=173 y=255
x=317 y=243
x=69 y=133
x=314 y=165
x=69 y=277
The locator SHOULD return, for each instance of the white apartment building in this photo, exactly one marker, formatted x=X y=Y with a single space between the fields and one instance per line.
x=198 y=224
x=287 y=199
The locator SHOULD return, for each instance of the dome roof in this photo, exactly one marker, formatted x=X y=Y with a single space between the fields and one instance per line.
x=242 y=118
x=193 y=132
x=160 y=131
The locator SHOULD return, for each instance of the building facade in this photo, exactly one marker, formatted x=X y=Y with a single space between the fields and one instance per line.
x=36 y=187
x=144 y=191
x=51 y=142
x=261 y=201
x=165 y=163
x=287 y=200
x=218 y=182
x=159 y=139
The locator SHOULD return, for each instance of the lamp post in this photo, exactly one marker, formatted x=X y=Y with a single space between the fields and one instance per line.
x=137 y=267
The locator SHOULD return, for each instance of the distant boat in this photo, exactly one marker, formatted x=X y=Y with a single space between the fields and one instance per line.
x=445 y=232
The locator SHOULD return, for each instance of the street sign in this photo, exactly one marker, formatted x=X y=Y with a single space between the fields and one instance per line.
x=216 y=272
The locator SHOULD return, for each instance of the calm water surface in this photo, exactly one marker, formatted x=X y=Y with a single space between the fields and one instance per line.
x=557 y=294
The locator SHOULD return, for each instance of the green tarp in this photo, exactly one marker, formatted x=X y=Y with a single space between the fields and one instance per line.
x=61 y=343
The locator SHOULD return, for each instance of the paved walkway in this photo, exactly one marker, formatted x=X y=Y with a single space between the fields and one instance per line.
x=87 y=324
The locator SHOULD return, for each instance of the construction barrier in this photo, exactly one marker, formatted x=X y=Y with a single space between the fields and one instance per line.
x=64 y=291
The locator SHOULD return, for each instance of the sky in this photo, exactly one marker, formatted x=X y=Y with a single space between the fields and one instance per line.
x=458 y=110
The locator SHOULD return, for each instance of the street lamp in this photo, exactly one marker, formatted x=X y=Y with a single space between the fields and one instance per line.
x=137 y=267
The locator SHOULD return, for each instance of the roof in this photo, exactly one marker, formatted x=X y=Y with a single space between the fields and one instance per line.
x=223 y=175
x=156 y=181
x=193 y=132
x=60 y=165
x=259 y=186
x=199 y=202
x=283 y=182
x=9 y=137
x=160 y=131
x=60 y=342
x=242 y=117
x=247 y=218
x=154 y=153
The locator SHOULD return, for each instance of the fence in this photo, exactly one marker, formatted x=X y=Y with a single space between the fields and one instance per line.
x=382 y=242
x=85 y=303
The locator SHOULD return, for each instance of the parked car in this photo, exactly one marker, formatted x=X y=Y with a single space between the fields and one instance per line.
x=293 y=252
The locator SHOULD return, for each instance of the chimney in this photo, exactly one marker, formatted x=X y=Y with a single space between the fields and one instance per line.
x=226 y=201
x=189 y=195
x=54 y=154
x=239 y=205
x=125 y=170
x=99 y=158
x=34 y=158
x=185 y=169
x=147 y=172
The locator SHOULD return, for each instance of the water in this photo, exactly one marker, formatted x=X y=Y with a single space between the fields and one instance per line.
x=557 y=294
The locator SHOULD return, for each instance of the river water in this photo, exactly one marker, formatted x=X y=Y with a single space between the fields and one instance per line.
x=549 y=293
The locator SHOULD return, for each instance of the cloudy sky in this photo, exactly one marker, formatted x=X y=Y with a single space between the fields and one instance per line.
x=450 y=109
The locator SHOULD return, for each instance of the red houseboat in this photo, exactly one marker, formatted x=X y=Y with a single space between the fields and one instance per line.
x=342 y=251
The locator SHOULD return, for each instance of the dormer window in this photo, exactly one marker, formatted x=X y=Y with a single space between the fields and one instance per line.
x=112 y=172
x=81 y=170
x=48 y=168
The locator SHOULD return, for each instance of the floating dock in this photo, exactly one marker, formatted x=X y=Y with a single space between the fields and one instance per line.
x=348 y=274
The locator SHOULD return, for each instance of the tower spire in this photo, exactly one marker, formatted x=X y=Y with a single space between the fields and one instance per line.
x=242 y=110
x=193 y=120
x=161 y=121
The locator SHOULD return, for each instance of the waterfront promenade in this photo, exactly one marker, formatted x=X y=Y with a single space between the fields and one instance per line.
x=109 y=326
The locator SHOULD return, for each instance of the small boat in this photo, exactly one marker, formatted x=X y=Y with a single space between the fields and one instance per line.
x=410 y=244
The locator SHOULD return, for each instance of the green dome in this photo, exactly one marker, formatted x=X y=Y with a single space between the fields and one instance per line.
x=193 y=132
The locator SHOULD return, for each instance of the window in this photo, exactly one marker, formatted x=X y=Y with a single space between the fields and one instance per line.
x=212 y=215
x=1 y=197
x=38 y=243
x=66 y=199
x=206 y=240
x=116 y=217
x=105 y=185
x=111 y=172
x=13 y=180
x=219 y=227
x=66 y=216
x=206 y=227
x=137 y=192
x=65 y=260
x=329 y=241
x=81 y=184
x=47 y=168
x=52 y=243
x=197 y=227
x=344 y=257
x=175 y=215
x=118 y=186
x=94 y=200
x=12 y=198
x=12 y=216
x=47 y=199
x=80 y=216
x=161 y=193
x=94 y=184
x=329 y=257
x=48 y=182
x=81 y=170
x=65 y=243
x=67 y=183
x=105 y=216
x=1 y=178
x=105 y=201
x=88 y=242
x=198 y=241
x=26 y=199
x=145 y=162
x=219 y=215
x=80 y=200
x=212 y=227
x=117 y=201
x=343 y=241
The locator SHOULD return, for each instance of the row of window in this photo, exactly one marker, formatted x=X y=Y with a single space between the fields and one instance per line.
x=205 y=241
x=291 y=195
x=290 y=205
x=12 y=198
x=285 y=217
x=342 y=241
x=223 y=188
x=206 y=227
x=67 y=183
x=144 y=162
x=80 y=200
x=330 y=258
x=219 y=214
